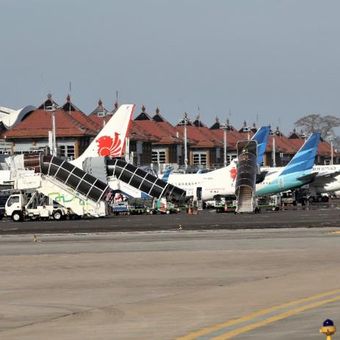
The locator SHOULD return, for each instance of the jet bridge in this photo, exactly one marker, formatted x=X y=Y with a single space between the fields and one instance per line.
x=246 y=176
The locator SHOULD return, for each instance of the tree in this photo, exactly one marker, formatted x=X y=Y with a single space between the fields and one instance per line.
x=337 y=143
x=315 y=122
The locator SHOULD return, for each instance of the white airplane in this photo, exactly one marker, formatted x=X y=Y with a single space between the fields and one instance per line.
x=110 y=141
x=207 y=185
x=327 y=179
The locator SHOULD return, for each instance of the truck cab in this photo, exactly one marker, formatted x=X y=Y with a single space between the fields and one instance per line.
x=14 y=207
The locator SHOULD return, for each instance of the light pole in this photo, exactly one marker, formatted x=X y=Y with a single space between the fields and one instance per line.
x=225 y=128
x=54 y=139
x=330 y=139
x=332 y=152
x=274 y=152
x=185 y=141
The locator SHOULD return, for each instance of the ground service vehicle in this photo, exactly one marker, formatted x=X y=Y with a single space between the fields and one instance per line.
x=33 y=206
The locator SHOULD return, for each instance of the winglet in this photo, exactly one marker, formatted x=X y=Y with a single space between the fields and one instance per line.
x=304 y=159
x=111 y=139
x=261 y=137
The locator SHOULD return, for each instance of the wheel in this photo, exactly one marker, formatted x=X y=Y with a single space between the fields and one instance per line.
x=57 y=215
x=17 y=216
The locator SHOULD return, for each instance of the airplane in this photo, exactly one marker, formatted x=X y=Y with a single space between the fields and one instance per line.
x=327 y=179
x=102 y=160
x=209 y=181
x=110 y=141
x=206 y=186
x=295 y=174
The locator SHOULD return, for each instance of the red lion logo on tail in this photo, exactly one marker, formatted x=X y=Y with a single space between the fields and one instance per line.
x=108 y=146
x=233 y=173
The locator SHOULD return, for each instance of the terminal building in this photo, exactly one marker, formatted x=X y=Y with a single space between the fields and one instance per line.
x=153 y=141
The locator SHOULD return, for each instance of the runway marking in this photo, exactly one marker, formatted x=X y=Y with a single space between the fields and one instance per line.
x=215 y=331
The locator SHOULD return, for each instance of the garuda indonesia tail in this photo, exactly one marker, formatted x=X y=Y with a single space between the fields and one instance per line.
x=261 y=137
x=296 y=173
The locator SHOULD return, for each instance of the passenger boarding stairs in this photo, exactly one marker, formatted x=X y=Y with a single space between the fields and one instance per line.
x=144 y=181
x=245 y=187
x=81 y=193
x=136 y=182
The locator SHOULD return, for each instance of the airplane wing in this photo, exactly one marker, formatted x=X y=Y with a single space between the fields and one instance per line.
x=308 y=178
x=326 y=177
x=261 y=176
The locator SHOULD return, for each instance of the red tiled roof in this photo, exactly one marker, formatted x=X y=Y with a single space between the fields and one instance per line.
x=99 y=121
x=135 y=132
x=282 y=144
x=39 y=122
x=324 y=149
x=292 y=145
x=200 y=137
x=138 y=133
x=163 y=131
x=86 y=120
x=233 y=137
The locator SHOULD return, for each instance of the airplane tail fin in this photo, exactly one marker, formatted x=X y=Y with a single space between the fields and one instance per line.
x=304 y=159
x=166 y=174
x=261 y=137
x=111 y=139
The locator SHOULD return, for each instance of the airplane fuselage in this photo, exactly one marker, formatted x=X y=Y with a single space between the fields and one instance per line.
x=275 y=183
x=213 y=183
x=318 y=185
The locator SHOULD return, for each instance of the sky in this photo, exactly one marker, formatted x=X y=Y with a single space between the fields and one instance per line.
x=259 y=61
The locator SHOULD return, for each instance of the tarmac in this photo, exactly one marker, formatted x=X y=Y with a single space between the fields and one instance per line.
x=272 y=275
x=319 y=215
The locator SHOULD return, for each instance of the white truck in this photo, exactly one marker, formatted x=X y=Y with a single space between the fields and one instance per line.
x=33 y=206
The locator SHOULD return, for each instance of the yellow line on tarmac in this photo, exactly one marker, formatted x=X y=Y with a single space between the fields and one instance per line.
x=204 y=331
x=278 y=317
